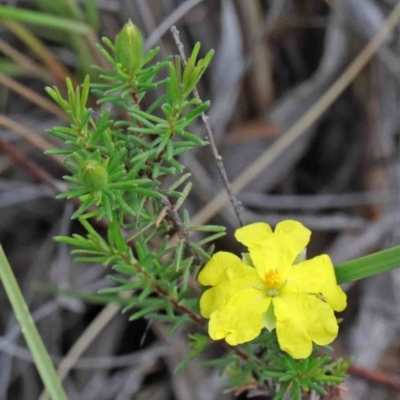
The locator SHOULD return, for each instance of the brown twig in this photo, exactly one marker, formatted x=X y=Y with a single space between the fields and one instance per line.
x=32 y=168
x=32 y=96
x=55 y=67
x=31 y=137
x=210 y=137
x=183 y=233
x=28 y=65
x=375 y=376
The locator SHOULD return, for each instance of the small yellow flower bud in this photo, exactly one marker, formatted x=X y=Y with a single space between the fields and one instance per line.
x=129 y=47
x=93 y=175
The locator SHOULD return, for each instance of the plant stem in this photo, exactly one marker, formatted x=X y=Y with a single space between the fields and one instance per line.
x=28 y=328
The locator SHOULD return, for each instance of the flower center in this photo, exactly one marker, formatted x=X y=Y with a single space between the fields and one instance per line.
x=273 y=279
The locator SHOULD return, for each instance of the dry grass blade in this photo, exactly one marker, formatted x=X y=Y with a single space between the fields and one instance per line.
x=172 y=19
x=26 y=63
x=261 y=71
x=29 y=136
x=33 y=169
x=32 y=96
x=57 y=69
x=315 y=202
x=84 y=341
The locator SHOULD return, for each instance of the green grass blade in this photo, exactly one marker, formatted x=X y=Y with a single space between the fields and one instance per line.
x=74 y=9
x=11 y=68
x=66 y=8
x=92 y=14
x=28 y=328
x=44 y=20
x=370 y=265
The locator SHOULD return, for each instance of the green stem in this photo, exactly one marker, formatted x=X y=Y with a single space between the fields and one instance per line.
x=39 y=353
x=370 y=265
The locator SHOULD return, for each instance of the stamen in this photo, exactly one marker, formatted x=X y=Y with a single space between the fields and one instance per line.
x=273 y=279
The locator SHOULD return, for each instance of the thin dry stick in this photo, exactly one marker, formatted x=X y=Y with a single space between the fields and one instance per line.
x=26 y=63
x=312 y=115
x=182 y=232
x=32 y=96
x=29 y=136
x=32 y=168
x=55 y=67
x=84 y=341
x=172 y=19
x=210 y=137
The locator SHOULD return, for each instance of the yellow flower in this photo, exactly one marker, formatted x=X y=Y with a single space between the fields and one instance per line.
x=269 y=289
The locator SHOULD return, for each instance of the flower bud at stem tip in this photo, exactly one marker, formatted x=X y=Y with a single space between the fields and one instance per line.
x=129 y=47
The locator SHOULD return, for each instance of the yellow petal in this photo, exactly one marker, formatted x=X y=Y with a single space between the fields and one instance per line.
x=294 y=235
x=276 y=250
x=291 y=327
x=301 y=319
x=251 y=235
x=240 y=320
x=317 y=276
x=223 y=266
x=219 y=295
x=321 y=321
